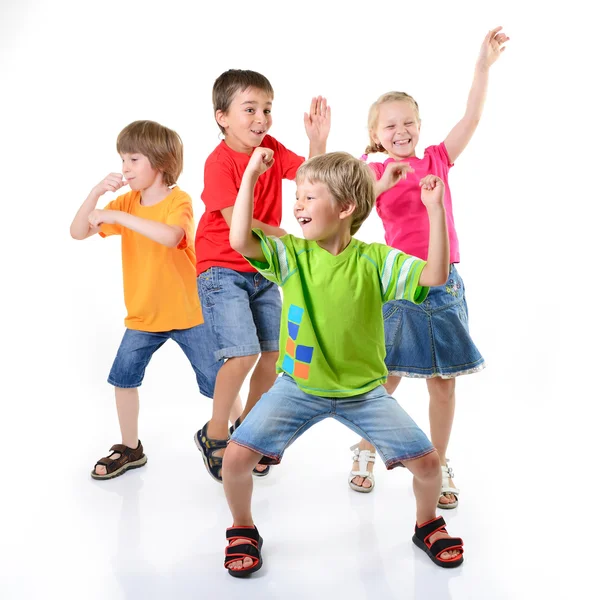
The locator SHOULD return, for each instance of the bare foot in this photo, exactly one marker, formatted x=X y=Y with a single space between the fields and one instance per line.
x=439 y=535
x=247 y=562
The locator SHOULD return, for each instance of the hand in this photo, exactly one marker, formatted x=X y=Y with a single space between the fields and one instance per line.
x=97 y=217
x=394 y=172
x=492 y=47
x=432 y=191
x=317 y=121
x=111 y=183
x=260 y=161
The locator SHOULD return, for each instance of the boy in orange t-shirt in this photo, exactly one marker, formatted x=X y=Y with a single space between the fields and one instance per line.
x=241 y=308
x=155 y=222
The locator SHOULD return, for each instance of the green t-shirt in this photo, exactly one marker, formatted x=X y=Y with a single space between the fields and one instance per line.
x=332 y=340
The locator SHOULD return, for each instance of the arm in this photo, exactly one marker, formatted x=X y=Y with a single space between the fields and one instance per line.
x=241 y=238
x=81 y=228
x=268 y=229
x=317 y=124
x=435 y=271
x=167 y=235
x=394 y=172
x=463 y=131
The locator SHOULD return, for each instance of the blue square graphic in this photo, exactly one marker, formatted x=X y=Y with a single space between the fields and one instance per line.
x=288 y=364
x=304 y=353
x=293 y=330
x=295 y=313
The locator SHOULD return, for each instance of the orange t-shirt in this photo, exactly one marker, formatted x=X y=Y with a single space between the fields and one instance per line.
x=159 y=282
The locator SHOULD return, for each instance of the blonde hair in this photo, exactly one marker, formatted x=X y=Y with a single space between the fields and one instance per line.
x=348 y=180
x=374 y=115
x=228 y=84
x=160 y=145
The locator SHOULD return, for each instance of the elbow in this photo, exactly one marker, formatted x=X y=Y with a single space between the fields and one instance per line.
x=236 y=242
x=76 y=235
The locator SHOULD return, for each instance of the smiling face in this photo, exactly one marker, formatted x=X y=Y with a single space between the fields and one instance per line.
x=397 y=128
x=138 y=171
x=317 y=212
x=247 y=120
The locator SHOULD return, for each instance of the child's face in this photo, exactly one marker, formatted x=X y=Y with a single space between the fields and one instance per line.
x=247 y=120
x=318 y=214
x=397 y=129
x=138 y=172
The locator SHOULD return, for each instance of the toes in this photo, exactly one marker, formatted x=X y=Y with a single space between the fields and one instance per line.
x=247 y=563
x=358 y=481
x=100 y=470
x=366 y=483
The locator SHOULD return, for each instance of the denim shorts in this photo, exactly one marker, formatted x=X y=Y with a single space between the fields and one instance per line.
x=242 y=313
x=285 y=412
x=431 y=339
x=137 y=348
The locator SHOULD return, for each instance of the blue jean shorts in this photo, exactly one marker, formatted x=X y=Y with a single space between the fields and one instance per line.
x=431 y=339
x=137 y=348
x=242 y=312
x=285 y=412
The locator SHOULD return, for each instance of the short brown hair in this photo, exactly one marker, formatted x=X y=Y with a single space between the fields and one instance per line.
x=374 y=115
x=348 y=179
x=228 y=84
x=160 y=145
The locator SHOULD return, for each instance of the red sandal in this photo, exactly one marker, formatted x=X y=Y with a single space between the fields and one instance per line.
x=436 y=549
x=249 y=550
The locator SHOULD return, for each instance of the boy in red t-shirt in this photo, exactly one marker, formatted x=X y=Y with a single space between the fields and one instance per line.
x=241 y=308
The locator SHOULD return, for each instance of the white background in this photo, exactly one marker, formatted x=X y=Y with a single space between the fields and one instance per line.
x=525 y=201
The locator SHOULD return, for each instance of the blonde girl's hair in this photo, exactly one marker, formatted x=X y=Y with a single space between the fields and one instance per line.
x=159 y=144
x=348 y=179
x=374 y=115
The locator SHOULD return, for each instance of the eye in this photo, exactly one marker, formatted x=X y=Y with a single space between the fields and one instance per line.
x=409 y=122
x=250 y=110
x=133 y=159
x=267 y=112
x=310 y=197
x=389 y=127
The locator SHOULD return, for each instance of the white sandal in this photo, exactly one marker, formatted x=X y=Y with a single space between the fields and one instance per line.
x=448 y=474
x=363 y=458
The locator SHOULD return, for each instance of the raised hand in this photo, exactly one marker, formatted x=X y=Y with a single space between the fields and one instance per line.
x=394 y=172
x=492 y=47
x=111 y=183
x=317 y=121
x=261 y=160
x=432 y=191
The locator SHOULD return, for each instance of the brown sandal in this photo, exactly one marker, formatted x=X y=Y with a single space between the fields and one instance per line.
x=131 y=458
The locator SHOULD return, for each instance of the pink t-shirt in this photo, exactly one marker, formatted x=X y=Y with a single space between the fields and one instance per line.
x=404 y=216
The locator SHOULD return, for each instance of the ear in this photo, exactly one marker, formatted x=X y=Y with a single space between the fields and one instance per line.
x=221 y=119
x=374 y=137
x=348 y=210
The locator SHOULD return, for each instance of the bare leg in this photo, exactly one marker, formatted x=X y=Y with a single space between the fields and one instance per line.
x=442 y=403
x=227 y=387
x=236 y=410
x=427 y=482
x=238 y=463
x=390 y=387
x=128 y=409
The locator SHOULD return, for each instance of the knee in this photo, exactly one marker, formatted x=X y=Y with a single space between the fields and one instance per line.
x=243 y=363
x=238 y=460
x=442 y=390
x=427 y=467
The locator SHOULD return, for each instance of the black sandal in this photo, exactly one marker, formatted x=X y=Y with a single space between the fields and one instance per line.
x=208 y=447
x=435 y=550
x=241 y=551
x=255 y=471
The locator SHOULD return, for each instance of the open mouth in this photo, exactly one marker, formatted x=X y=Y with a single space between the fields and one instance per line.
x=261 y=132
x=402 y=142
x=304 y=220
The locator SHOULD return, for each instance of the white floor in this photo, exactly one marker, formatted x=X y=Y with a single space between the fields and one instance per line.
x=158 y=532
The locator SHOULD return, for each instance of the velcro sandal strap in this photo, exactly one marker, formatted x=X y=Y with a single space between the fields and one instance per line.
x=241 y=551
x=248 y=533
x=429 y=528
x=445 y=544
x=120 y=448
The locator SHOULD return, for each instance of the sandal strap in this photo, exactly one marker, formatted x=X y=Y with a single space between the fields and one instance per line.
x=445 y=544
x=120 y=448
x=241 y=551
x=363 y=458
x=248 y=533
x=428 y=529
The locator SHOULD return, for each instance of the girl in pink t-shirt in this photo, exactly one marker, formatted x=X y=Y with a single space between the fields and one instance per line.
x=430 y=340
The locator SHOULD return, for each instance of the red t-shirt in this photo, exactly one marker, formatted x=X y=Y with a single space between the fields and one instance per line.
x=222 y=179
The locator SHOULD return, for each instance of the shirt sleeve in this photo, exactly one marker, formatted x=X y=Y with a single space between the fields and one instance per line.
x=289 y=161
x=440 y=154
x=279 y=258
x=181 y=215
x=220 y=189
x=116 y=204
x=400 y=275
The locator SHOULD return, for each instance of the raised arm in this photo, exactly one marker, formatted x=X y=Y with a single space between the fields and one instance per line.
x=81 y=228
x=317 y=123
x=268 y=229
x=463 y=131
x=435 y=271
x=241 y=238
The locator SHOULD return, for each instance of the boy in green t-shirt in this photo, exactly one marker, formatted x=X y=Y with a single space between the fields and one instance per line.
x=332 y=345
